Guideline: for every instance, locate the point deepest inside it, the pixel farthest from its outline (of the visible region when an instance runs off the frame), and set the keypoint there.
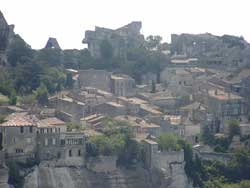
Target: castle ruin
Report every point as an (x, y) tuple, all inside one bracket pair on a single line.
[(120, 39)]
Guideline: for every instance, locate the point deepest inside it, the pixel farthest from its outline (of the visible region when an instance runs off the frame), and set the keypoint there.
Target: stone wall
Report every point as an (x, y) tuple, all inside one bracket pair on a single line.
[(102, 164), (120, 39), (18, 144), (222, 157), (99, 79)]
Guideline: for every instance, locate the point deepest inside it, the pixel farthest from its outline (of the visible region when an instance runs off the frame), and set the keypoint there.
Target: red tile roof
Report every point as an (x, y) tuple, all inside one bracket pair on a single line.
[(53, 121), (20, 119)]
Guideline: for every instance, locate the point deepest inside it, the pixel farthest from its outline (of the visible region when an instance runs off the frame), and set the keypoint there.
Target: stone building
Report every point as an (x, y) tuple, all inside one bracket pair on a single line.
[(122, 85), (120, 39), (177, 79), (99, 79), (48, 138), (68, 108), (224, 106), (72, 147), (170, 163), (19, 136), (111, 109), (140, 126)]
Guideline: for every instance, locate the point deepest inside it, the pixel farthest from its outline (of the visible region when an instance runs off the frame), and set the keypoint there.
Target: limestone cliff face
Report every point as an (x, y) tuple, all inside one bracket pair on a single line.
[(45, 176)]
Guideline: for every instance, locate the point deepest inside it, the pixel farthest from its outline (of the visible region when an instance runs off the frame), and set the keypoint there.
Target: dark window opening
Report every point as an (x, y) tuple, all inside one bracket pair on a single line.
[(21, 129), (79, 152), (70, 153), (31, 129)]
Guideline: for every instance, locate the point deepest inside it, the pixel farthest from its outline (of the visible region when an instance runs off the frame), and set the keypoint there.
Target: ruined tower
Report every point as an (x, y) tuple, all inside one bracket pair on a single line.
[(120, 39)]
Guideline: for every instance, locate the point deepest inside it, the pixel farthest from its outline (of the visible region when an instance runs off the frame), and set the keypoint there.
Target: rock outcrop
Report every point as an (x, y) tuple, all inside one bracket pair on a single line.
[(120, 39), (6, 33), (210, 49), (49, 175), (52, 44)]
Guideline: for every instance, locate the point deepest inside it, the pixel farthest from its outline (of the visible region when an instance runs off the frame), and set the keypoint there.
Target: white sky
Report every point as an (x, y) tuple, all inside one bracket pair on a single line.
[(67, 20)]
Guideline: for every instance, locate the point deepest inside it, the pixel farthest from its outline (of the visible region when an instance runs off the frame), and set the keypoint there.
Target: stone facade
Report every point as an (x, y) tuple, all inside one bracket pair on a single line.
[(122, 85), (224, 106), (19, 136), (120, 39), (99, 79)]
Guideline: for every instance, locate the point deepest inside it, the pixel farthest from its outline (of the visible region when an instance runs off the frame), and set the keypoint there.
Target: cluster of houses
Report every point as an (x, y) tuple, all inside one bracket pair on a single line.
[(186, 98)]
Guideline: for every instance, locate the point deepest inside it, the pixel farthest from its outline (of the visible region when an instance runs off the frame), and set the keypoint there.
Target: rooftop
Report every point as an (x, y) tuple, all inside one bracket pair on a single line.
[(173, 119), (151, 142), (114, 104), (151, 109), (136, 121), (53, 121), (222, 95), (194, 106), (20, 119)]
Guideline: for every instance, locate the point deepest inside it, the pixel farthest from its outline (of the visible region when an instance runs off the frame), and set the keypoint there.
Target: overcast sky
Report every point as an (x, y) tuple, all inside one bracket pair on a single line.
[(67, 20)]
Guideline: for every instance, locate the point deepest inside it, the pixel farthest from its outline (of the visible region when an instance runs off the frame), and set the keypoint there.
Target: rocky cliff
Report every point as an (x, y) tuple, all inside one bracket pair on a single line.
[(47, 175)]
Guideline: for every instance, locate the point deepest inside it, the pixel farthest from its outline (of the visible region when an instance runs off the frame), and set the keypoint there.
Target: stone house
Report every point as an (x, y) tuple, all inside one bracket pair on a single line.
[(99, 79), (141, 126), (122, 85), (67, 105), (132, 107), (48, 138), (19, 136), (223, 106), (110, 109), (73, 147), (195, 112)]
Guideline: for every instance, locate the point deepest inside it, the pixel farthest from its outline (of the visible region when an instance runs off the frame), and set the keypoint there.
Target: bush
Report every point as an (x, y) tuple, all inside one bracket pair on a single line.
[(168, 142)]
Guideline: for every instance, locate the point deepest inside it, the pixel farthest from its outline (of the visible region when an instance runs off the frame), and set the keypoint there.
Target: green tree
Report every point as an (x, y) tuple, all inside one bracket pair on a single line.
[(13, 98), (153, 89), (233, 128), (41, 94), (50, 57), (19, 51), (106, 50), (168, 141), (153, 42), (69, 81)]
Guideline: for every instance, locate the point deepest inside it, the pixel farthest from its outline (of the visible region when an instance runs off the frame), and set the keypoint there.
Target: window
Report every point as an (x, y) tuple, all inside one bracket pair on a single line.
[(19, 150), (21, 129), (31, 129), (70, 153), (46, 142), (14, 140), (79, 152), (53, 141), (62, 142)]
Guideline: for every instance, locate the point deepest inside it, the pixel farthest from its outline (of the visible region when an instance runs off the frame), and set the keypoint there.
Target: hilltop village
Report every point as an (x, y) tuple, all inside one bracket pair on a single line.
[(115, 113)]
